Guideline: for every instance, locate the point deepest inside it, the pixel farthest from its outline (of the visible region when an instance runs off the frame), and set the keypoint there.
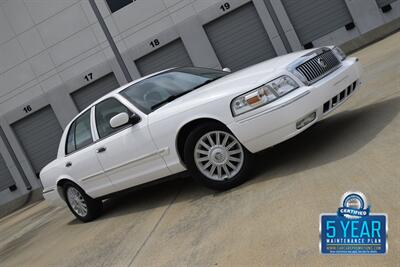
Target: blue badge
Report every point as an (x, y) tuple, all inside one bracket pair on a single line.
[(353, 229)]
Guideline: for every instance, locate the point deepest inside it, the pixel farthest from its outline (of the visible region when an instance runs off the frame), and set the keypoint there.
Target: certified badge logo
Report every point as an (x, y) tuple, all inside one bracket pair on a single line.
[(353, 229), (354, 205)]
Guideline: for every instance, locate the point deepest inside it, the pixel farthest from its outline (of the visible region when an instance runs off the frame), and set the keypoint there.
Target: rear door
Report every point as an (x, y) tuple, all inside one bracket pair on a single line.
[(80, 162)]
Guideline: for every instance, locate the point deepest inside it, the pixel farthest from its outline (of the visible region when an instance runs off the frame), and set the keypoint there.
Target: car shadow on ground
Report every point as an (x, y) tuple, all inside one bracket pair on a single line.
[(332, 139)]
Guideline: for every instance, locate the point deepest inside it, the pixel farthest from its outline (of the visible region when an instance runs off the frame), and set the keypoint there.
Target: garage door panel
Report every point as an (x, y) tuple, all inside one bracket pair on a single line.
[(313, 19), (239, 38), (6, 179), (39, 135), (170, 55), (86, 95)]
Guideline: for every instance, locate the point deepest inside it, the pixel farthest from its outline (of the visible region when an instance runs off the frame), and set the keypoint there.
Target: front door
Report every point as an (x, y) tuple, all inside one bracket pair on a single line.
[(127, 154)]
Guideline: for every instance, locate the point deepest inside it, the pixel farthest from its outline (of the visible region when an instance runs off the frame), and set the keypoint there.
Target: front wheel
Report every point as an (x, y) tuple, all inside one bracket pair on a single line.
[(215, 157), (81, 205)]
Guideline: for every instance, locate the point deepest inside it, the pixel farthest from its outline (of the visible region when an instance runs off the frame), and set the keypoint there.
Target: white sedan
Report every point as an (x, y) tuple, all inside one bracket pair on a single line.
[(209, 122)]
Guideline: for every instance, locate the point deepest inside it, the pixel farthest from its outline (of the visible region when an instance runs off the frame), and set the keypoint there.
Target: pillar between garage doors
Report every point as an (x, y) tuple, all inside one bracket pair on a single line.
[(20, 180), (270, 27), (286, 25), (197, 43)]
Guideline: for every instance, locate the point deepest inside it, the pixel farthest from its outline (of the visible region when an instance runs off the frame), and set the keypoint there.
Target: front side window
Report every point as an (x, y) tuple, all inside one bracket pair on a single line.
[(79, 134), (152, 93), (104, 112)]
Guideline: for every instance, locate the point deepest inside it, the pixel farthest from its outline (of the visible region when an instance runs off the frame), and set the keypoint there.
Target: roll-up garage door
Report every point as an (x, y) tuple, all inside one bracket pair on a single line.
[(86, 95), (239, 38), (39, 135), (382, 3), (313, 19), (171, 55), (6, 179)]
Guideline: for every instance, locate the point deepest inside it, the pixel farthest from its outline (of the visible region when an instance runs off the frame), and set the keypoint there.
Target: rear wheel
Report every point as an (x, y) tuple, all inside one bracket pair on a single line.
[(215, 157), (81, 205)]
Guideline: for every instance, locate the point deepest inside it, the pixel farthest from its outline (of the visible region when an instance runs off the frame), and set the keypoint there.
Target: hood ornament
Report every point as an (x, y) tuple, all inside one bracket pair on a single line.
[(322, 63)]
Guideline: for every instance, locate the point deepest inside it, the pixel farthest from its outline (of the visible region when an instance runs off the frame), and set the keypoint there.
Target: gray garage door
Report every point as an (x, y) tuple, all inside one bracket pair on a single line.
[(313, 19), (39, 135), (86, 95), (171, 55), (382, 3), (239, 38), (6, 179)]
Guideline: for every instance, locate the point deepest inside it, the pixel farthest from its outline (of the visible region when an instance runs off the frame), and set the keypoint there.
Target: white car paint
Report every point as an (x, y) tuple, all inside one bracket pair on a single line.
[(147, 150)]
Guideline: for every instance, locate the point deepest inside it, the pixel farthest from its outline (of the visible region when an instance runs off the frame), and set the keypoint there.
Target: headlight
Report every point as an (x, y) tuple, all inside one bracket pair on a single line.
[(263, 95), (339, 53)]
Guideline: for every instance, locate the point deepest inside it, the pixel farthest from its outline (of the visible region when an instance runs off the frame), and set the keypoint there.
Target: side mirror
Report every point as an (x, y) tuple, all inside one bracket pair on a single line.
[(119, 120), (227, 70), (134, 119)]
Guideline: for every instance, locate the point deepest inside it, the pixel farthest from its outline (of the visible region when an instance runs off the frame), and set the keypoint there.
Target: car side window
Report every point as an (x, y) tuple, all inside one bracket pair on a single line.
[(70, 146), (104, 112), (79, 134), (83, 133)]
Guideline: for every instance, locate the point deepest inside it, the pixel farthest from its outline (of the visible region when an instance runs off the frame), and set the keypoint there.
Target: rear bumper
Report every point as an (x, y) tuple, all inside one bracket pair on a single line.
[(276, 122)]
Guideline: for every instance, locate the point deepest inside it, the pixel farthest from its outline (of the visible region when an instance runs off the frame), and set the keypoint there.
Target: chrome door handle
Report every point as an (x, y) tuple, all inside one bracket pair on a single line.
[(68, 164), (101, 150)]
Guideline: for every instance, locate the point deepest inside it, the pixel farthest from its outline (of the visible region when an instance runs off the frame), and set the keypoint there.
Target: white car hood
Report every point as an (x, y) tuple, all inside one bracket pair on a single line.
[(231, 85)]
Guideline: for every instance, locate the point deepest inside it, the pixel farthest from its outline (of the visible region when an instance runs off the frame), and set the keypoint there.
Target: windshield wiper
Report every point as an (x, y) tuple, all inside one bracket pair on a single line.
[(173, 97), (168, 99), (206, 82)]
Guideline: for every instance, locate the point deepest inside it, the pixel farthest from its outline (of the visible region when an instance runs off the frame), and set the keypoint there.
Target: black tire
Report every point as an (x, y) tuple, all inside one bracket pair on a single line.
[(94, 206), (189, 156)]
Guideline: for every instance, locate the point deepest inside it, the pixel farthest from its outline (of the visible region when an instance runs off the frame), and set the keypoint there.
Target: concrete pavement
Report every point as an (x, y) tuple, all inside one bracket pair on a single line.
[(272, 220)]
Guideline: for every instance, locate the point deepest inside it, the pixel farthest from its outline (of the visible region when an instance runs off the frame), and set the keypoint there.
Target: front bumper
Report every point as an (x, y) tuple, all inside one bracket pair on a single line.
[(276, 122)]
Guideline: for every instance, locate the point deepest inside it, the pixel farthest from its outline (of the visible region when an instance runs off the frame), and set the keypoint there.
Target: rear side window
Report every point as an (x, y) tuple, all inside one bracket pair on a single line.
[(70, 146), (80, 134), (104, 112)]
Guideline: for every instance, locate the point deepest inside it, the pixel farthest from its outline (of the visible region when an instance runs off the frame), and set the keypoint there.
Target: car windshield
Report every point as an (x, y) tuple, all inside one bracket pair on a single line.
[(152, 93)]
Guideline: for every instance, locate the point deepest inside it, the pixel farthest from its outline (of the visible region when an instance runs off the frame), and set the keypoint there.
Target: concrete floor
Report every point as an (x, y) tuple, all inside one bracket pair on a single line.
[(271, 220)]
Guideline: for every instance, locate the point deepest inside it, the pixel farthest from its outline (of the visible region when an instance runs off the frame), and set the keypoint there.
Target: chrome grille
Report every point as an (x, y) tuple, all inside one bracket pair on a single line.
[(318, 66)]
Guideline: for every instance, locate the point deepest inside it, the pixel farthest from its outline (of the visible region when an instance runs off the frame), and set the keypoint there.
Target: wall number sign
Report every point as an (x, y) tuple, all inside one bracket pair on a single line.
[(88, 77), (27, 109), (224, 7), (155, 43)]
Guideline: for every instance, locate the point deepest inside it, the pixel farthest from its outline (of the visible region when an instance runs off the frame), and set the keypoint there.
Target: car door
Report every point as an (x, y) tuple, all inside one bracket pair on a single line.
[(81, 163), (128, 155)]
